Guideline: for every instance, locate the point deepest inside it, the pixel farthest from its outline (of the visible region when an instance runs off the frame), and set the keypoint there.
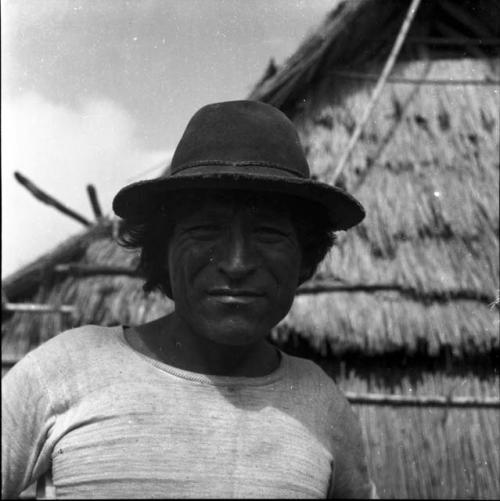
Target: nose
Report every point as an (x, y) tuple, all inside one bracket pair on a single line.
[(237, 254)]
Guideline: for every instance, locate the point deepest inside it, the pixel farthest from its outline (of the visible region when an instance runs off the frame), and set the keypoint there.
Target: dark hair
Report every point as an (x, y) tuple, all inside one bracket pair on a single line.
[(315, 232)]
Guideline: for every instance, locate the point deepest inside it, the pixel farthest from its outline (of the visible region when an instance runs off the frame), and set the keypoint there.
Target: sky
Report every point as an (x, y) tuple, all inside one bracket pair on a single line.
[(99, 92)]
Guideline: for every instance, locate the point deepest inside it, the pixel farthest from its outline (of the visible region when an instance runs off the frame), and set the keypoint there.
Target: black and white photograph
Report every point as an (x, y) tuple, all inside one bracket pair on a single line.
[(250, 249)]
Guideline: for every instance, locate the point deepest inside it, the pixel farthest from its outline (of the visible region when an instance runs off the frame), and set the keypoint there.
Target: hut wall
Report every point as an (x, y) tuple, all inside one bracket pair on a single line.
[(99, 299), (426, 168), (432, 453), (423, 452)]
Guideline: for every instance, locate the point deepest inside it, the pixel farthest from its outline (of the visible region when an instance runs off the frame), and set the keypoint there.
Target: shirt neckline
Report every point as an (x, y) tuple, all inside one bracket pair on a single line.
[(207, 379)]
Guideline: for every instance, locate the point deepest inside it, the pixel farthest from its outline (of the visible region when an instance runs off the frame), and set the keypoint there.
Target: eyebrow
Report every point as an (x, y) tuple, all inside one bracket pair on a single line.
[(273, 210)]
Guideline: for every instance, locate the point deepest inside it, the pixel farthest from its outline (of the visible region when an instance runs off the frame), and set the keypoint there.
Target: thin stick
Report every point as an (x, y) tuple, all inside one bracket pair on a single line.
[(355, 75), (325, 286), (456, 40), (89, 270), (378, 88), (94, 201), (314, 287), (38, 308), (422, 401), (49, 200)]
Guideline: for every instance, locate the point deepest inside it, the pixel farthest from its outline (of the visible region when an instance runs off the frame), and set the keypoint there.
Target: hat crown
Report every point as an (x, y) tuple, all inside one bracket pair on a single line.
[(238, 145), (240, 133)]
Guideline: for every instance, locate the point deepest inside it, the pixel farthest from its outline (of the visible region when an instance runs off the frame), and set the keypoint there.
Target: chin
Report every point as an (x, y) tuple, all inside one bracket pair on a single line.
[(235, 336)]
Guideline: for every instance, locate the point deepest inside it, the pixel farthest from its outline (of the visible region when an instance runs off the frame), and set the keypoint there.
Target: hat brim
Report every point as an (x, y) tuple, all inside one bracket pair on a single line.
[(139, 201)]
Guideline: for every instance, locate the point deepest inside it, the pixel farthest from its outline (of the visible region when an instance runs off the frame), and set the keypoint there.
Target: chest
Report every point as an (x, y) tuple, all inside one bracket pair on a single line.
[(180, 446)]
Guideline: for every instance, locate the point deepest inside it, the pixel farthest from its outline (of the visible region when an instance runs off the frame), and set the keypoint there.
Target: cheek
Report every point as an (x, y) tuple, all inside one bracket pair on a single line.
[(185, 263), (285, 268)]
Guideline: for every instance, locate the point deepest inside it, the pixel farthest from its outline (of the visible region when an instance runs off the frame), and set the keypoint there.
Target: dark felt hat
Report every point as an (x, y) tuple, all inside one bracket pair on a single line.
[(241, 145)]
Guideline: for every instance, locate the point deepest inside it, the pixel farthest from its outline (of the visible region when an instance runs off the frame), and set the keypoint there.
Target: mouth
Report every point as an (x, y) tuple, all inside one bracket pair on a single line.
[(237, 296)]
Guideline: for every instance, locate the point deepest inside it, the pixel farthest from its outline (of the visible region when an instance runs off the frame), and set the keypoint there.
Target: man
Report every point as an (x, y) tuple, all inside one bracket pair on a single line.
[(199, 403)]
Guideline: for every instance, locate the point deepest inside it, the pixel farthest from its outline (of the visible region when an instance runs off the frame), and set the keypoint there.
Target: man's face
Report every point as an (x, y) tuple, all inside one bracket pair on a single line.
[(234, 265)]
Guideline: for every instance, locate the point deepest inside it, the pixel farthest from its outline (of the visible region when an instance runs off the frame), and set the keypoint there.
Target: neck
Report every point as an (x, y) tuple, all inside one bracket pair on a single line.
[(174, 343)]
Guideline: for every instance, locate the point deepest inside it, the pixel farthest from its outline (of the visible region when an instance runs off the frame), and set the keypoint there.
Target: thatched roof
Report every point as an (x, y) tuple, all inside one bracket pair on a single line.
[(99, 298), (360, 33), (426, 167), (419, 274)]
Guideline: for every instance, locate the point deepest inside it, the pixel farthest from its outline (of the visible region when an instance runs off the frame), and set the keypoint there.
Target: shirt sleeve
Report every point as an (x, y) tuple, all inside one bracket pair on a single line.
[(25, 424), (350, 477)]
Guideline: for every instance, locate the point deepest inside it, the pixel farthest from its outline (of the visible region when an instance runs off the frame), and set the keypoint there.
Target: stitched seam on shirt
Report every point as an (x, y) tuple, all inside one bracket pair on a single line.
[(201, 382), (179, 375)]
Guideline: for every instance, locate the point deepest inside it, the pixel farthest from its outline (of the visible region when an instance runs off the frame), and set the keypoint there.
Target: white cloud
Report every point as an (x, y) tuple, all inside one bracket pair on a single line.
[(62, 150)]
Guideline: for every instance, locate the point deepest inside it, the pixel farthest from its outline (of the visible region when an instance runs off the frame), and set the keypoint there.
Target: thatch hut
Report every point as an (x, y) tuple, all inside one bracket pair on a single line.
[(401, 308), (415, 282)]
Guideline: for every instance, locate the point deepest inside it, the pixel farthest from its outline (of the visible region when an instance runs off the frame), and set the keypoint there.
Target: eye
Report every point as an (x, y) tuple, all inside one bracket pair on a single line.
[(270, 233), (203, 231)]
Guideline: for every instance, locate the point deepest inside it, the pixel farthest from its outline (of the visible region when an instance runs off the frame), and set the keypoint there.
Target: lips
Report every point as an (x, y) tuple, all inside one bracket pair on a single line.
[(233, 295)]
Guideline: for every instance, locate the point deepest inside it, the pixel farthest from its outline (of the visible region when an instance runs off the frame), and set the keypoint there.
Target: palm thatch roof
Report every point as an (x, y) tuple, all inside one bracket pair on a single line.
[(426, 167), (99, 296), (360, 33)]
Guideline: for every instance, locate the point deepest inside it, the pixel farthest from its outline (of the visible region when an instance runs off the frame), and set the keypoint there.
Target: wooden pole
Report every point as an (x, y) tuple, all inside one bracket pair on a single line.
[(325, 286), (94, 201), (422, 401), (80, 270), (38, 308), (449, 40), (355, 75), (378, 88), (49, 200), (313, 287)]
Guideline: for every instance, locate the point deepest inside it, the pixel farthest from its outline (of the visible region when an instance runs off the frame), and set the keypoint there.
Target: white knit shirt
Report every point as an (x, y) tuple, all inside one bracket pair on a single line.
[(113, 423)]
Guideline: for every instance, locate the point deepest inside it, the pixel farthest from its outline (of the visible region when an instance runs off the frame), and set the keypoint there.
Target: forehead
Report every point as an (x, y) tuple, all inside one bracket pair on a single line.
[(226, 202)]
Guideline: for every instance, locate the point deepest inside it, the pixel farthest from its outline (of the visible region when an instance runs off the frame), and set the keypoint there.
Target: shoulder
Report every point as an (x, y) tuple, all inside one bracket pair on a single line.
[(333, 418), (309, 373), (86, 337), (317, 384), (69, 349), (69, 365)]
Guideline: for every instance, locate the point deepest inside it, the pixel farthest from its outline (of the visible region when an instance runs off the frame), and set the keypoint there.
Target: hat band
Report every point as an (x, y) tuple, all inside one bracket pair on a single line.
[(253, 167)]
